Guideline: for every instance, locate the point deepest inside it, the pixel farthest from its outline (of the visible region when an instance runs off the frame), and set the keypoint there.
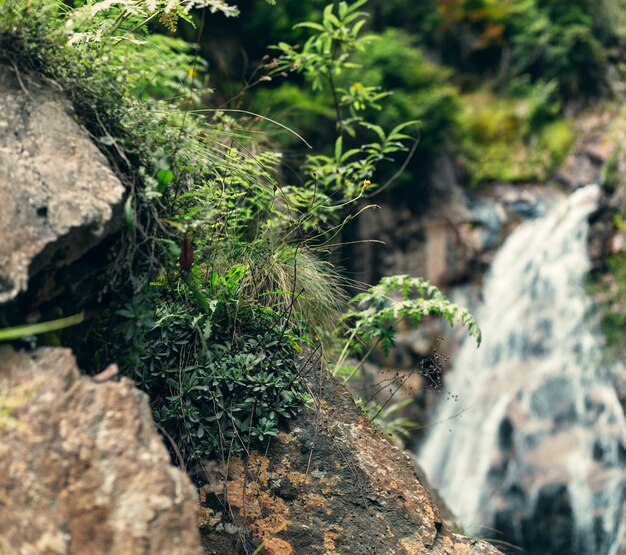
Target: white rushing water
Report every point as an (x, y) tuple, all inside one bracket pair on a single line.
[(532, 408)]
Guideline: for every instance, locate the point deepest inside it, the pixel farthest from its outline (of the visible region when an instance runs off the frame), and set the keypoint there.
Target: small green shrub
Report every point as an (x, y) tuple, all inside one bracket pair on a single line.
[(396, 428), (556, 139), (215, 387), (329, 63)]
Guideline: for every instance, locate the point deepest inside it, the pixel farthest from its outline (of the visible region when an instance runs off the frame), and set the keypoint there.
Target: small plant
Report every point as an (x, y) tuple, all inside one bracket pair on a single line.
[(529, 120), (373, 320), (327, 61), (611, 290), (396, 428)]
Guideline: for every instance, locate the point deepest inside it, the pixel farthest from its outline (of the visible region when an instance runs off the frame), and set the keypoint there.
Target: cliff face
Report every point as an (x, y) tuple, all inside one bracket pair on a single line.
[(83, 469)]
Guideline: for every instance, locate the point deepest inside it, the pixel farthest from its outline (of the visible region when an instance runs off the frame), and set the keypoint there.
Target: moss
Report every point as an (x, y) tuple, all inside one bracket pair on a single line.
[(556, 139), (511, 139), (610, 173)]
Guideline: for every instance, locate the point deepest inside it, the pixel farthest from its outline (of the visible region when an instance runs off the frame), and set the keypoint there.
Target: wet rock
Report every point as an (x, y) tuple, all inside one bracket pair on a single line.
[(584, 165), (582, 171), (488, 217), (58, 194), (331, 484), (82, 467)]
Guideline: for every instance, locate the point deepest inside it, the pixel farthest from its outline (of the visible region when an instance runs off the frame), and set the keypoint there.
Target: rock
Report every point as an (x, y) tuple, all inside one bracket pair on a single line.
[(58, 194), (598, 134), (580, 172), (438, 239), (331, 484), (82, 468)]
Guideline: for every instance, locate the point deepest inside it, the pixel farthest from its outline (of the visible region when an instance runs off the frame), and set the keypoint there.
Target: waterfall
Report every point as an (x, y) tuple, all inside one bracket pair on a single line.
[(531, 438)]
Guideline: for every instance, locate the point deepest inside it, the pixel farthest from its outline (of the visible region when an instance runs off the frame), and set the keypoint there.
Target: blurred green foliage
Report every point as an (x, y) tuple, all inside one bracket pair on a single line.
[(513, 138), (542, 39), (613, 310), (421, 89), (445, 61)]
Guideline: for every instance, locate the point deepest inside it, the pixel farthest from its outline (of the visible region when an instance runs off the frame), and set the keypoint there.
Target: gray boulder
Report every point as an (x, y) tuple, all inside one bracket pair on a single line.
[(58, 194)]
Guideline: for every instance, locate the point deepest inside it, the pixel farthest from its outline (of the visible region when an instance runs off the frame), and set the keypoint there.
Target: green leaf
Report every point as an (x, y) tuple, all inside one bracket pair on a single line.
[(356, 5), (332, 19), (338, 148), (394, 132), (309, 25), (164, 178), (130, 218), (376, 128), (328, 10), (190, 214), (17, 332)]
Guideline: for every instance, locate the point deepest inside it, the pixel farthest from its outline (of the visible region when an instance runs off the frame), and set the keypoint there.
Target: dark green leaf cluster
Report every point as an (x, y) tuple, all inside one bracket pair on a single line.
[(216, 389)]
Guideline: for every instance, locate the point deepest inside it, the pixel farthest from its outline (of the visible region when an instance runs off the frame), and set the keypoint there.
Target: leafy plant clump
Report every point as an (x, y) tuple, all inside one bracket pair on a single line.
[(614, 319), (541, 40), (609, 287), (372, 320), (216, 389), (535, 61), (514, 138)]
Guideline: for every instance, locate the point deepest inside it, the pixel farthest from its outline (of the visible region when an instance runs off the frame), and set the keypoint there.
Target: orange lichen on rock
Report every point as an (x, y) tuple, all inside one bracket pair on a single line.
[(276, 546), (329, 542), (265, 530)]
